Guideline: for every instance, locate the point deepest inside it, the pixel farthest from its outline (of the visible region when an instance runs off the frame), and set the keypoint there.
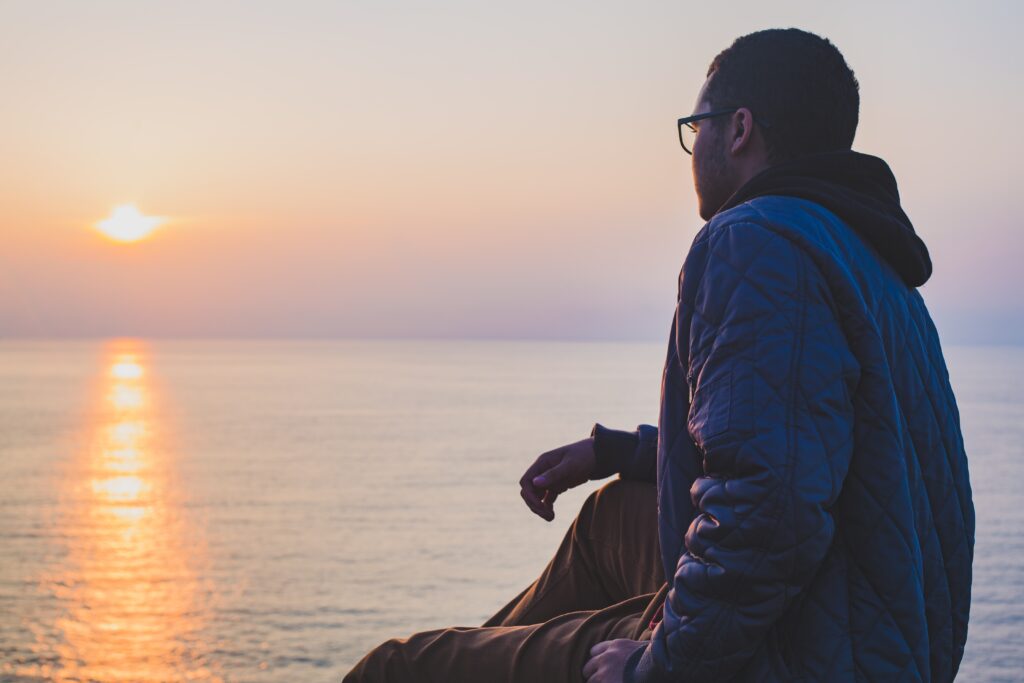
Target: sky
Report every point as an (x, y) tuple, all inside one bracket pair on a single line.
[(452, 169)]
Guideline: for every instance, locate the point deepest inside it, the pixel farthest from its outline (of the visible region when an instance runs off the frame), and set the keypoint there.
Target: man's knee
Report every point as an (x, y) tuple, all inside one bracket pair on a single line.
[(608, 503), (623, 493), (386, 662)]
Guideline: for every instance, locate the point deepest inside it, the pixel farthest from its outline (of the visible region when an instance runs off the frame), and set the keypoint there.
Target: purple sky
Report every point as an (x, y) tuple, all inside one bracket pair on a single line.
[(451, 169)]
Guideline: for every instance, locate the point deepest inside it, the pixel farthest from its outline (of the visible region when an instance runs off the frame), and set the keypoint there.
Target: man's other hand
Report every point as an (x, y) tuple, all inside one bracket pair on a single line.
[(555, 472), (608, 660)]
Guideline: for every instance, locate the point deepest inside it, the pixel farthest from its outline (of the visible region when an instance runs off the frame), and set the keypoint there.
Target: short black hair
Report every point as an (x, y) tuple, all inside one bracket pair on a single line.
[(795, 82)]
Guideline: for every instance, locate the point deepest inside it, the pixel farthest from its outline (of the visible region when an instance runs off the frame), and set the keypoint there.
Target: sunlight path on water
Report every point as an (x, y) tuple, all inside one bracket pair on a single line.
[(130, 595)]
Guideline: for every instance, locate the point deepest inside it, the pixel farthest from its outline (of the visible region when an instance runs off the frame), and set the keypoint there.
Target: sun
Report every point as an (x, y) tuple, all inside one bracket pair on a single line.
[(127, 224)]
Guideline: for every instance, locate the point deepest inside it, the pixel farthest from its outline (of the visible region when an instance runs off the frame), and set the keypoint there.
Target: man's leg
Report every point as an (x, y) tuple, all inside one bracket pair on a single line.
[(599, 586), (609, 554), (554, 651)]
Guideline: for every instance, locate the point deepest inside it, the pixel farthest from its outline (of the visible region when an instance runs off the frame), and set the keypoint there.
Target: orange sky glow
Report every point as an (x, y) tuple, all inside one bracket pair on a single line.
[(390, 169)]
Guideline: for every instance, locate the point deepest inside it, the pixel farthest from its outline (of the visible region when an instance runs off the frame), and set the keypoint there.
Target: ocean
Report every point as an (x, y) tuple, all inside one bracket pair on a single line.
[(231, 510)]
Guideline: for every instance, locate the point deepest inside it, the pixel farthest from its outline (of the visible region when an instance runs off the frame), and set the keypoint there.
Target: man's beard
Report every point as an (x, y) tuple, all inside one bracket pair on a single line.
[(714, 183)]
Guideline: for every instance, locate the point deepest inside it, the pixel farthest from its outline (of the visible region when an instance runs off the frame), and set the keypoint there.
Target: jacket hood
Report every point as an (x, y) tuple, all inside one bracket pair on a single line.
[(858, 188)]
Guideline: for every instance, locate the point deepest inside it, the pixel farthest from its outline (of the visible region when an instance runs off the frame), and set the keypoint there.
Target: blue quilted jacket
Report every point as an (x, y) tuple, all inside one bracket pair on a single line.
[(815, 512)]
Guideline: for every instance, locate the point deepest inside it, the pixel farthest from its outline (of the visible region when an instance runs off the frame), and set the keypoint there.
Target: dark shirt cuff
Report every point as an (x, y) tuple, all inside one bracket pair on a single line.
[(613, 449), (641, 668)]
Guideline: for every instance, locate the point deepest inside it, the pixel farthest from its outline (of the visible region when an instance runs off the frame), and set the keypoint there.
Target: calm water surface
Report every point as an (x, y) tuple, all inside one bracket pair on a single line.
[(257, 511)]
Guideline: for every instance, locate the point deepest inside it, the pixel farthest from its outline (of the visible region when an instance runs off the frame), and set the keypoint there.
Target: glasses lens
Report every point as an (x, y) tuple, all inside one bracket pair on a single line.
[(687, 134)]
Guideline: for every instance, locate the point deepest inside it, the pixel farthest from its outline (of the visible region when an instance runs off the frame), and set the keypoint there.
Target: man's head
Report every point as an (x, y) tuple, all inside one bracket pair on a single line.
[(793, 96)]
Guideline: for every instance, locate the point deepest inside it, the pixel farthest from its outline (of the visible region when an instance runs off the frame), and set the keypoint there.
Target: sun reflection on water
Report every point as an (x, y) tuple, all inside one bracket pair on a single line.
[(126, 368), (129, 584)]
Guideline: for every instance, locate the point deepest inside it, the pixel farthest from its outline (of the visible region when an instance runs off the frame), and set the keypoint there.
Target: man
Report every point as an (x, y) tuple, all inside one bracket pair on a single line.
[(814, 512)]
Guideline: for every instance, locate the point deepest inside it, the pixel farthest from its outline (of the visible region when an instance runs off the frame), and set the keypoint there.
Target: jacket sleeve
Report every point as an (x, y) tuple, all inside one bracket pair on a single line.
[(771, 377), (633, 455)]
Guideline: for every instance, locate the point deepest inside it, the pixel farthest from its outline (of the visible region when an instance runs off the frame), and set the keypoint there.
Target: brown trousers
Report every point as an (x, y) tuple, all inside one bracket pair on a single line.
[(604, 582)]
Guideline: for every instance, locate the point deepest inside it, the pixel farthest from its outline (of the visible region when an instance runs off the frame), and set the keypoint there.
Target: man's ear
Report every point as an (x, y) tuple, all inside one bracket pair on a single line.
[(742, 129)]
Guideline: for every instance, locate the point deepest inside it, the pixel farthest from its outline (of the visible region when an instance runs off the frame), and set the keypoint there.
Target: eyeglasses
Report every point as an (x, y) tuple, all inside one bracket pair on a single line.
[(687, 133)]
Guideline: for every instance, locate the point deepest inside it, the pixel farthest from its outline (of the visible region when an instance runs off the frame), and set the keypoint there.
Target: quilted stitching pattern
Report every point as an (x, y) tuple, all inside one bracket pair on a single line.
[(815, 507)]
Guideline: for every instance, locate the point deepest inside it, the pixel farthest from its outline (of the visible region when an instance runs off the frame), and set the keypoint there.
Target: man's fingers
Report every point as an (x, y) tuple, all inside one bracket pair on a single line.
[(531, 472), (549, 500), (532, 492), (537, 505), (554, 478), (544, 461), (541, 464), (590, 668), (532, 495), (594, 664)]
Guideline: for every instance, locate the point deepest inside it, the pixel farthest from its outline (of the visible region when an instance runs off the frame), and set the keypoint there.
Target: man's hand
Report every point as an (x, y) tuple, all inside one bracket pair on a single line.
[(608, 660), (555, 472)]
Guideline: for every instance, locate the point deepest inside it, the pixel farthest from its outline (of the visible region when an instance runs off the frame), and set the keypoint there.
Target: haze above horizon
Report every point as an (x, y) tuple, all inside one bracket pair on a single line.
[(452, 170)]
